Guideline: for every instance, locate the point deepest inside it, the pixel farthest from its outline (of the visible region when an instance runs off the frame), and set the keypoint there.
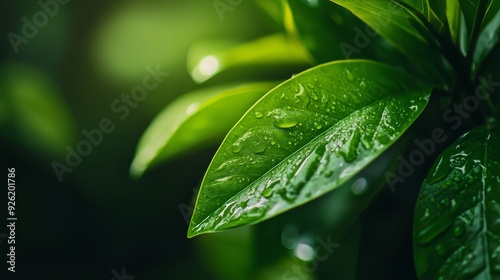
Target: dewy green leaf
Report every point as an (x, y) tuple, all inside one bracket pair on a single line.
[(195, 120), (390, 20), (456, 224), (305, 138), (207, 59)]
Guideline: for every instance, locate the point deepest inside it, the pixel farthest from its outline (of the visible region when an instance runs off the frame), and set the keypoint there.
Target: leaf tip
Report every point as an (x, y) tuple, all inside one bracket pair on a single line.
[(136, 169)]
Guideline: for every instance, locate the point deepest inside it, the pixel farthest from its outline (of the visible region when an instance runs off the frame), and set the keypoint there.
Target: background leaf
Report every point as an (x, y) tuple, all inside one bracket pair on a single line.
[(391, 21), (194, 121), (304, 138), (32, 113), (454, 17), (272, 53), (469, 8), (488, 39), (456, 224), (491, 12), (322, 27), (434, 11)]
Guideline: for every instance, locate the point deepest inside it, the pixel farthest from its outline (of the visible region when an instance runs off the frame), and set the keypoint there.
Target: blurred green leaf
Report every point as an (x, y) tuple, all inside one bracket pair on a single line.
[(32, 113), (491, 12), (454, 16), (489, 74), (437, 15), (323, 27), (195, 120), (488, 39), (469, 8), (392, 21), (456, 229), (331, 119), (274, 8), (207, 59), (228, 255), (474, 12), (433, 11)]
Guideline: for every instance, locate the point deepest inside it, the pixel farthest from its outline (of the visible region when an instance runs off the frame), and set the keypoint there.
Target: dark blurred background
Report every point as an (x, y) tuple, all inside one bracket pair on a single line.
[(100, 224)]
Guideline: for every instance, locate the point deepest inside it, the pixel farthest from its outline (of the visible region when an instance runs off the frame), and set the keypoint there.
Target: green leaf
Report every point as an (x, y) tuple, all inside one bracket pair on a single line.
[(334, 215), (439, 9), (323, 27), (274, 8), (195, 120), (454, 15), (210, 58), (488, 39), (391, 21), (305, 138), (491, 12), (456, 224), (32, 113), (474, 12), (433, 11), (469, 8)]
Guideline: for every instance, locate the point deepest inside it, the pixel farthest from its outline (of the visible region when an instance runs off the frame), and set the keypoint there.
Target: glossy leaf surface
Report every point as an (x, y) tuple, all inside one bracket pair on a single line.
[(305, 138), (457, 217), (195, 120)]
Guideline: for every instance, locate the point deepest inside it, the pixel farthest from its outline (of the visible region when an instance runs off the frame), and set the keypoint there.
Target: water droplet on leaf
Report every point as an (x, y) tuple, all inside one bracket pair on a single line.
[(349, 76), (286, 122), (359, 186), (258, 147), (440, 249), (349, 150), (458, 230), (237, 147)]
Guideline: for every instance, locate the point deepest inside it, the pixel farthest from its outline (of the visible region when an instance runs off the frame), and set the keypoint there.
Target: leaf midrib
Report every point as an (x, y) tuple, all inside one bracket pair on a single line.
[(483, 207)]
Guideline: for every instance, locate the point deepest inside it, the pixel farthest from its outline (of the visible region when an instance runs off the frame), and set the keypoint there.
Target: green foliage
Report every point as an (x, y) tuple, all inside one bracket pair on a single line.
[(38, 117), (211, 58), (304, 138), (318, 132), (456, 219), (197, 119)]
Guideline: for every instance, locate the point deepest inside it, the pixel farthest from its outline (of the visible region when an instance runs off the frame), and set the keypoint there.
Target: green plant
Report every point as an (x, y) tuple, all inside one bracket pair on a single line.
[(318, 130)]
